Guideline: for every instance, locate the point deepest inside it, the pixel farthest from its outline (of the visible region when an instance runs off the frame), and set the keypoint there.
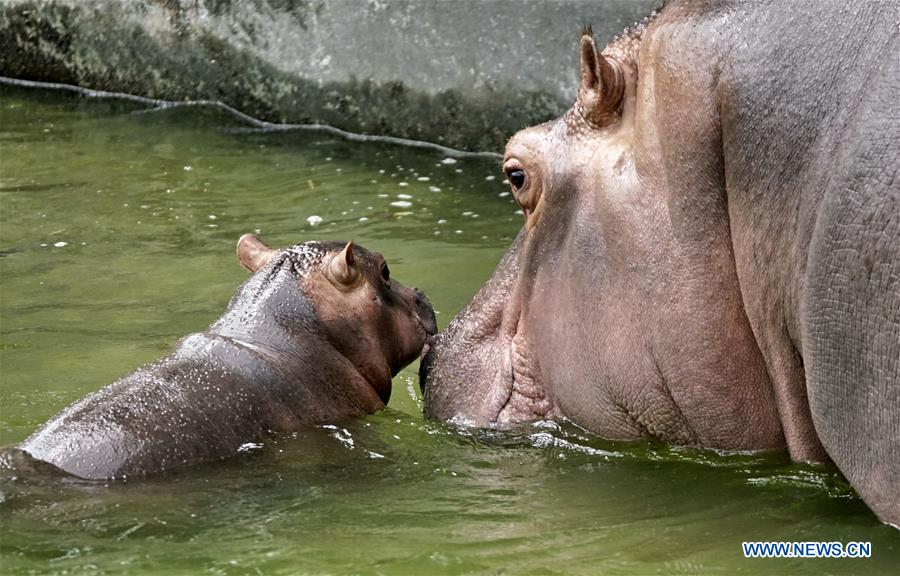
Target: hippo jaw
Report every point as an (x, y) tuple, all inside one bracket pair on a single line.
[(508, 390), (480, 371)]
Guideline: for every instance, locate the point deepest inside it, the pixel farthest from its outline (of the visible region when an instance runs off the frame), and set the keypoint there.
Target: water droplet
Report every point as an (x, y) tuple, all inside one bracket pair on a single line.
[(449, 161), (315, 220)]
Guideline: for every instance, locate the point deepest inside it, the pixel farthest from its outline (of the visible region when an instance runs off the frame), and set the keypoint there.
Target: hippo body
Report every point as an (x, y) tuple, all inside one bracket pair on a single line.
[(711, 248), (276, 360)]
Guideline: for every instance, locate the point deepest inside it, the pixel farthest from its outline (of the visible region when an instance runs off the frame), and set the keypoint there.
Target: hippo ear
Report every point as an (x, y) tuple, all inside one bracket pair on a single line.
[(343, 266), (602, 83), (253, 253)]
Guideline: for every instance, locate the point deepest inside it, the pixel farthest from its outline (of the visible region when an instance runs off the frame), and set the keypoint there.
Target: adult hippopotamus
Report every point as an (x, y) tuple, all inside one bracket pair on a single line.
[(711, 247), (314, 335)]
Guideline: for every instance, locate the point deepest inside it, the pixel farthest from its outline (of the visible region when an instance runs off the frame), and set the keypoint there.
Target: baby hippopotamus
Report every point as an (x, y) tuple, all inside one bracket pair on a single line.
[(315, 335)]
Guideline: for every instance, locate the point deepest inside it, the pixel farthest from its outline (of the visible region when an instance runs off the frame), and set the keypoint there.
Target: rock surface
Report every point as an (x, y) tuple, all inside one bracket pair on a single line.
[(465, 73)]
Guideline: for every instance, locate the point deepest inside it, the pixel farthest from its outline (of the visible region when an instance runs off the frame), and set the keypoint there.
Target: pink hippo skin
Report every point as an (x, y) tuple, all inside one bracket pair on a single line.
[(711, 247), (314, 336)]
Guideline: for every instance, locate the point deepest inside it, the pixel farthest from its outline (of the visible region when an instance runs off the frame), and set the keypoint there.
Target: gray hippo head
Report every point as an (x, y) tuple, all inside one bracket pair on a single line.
[(373, 320), (617, 306)]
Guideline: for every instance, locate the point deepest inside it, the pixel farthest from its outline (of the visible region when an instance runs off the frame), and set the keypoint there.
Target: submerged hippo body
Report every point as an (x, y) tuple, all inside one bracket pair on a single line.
[(711, 248), (314, 335)]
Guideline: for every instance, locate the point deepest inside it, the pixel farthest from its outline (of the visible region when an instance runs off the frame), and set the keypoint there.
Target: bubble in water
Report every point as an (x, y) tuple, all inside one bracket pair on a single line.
[(60, 244), (434, 189), (448, 161), (423, 178), (404, 196), (315, 220), (401, 204)]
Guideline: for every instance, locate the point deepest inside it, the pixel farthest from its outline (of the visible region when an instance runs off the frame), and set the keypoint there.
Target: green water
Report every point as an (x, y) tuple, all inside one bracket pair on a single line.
[(149, 206)]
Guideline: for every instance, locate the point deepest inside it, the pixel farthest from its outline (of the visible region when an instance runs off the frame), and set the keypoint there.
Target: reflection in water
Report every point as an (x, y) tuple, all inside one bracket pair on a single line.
[(117, 238)]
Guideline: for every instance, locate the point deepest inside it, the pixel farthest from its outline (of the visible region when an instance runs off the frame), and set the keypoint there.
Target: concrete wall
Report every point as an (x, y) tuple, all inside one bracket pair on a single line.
[(464, 73)]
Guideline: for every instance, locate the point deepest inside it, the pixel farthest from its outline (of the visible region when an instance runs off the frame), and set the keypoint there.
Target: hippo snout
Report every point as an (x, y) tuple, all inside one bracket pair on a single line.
[(425, 313)]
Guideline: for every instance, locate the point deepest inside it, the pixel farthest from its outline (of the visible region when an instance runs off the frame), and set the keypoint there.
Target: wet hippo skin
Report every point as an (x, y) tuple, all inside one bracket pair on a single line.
[(315, 335), (711, 247)]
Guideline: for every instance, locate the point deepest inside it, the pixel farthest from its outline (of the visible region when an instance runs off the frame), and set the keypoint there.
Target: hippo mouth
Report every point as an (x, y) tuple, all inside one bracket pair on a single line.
[(509, 391), (526, 398), (481, 370), (429, 330)]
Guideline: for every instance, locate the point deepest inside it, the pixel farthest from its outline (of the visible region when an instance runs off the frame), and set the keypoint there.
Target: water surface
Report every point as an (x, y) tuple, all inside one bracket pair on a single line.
[(117, 233)]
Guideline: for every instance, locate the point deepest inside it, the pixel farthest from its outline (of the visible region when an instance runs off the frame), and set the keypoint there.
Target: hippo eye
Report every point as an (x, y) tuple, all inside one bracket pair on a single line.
[(385, 273), (516, 178)]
